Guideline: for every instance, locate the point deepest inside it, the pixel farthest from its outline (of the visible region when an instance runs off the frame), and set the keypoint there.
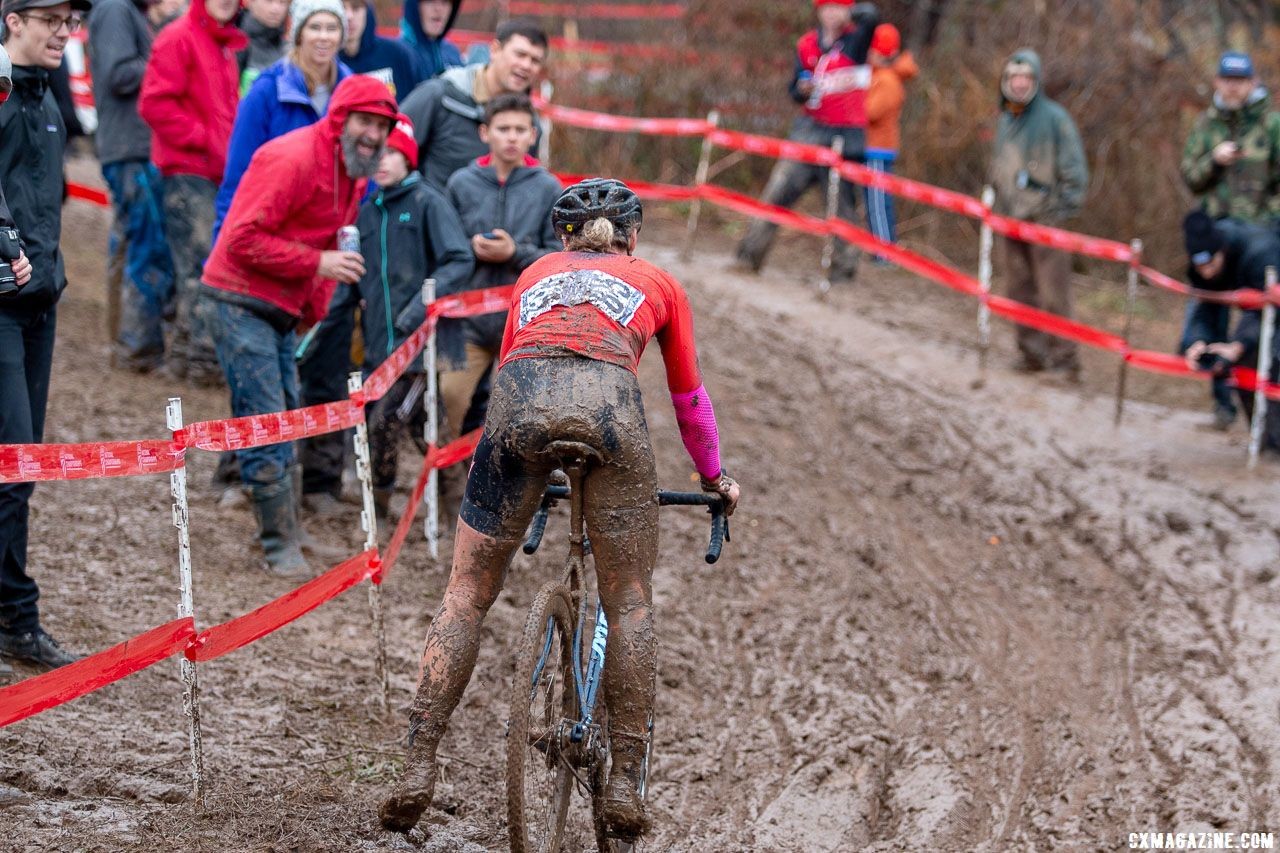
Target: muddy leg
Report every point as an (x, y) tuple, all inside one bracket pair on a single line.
[(622, 521), (479, 564)]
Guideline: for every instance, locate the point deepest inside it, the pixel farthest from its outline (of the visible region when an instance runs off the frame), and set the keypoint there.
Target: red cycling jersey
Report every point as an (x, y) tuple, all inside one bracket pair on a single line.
[(604, 307)]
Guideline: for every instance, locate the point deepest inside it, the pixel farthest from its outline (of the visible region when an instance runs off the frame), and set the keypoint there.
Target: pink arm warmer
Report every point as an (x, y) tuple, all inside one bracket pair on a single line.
[(698, 430)]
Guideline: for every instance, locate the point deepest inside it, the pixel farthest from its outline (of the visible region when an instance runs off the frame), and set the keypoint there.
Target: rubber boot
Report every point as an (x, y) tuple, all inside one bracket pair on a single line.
[(327, 554), (401, 811), (276, 509), (624, 814)]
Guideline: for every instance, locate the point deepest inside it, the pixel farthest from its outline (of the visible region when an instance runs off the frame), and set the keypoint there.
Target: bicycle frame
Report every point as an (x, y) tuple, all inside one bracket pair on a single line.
[(586, 682)]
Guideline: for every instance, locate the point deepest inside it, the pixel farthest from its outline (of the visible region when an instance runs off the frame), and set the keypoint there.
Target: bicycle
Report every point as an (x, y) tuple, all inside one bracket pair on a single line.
[(557, 737)]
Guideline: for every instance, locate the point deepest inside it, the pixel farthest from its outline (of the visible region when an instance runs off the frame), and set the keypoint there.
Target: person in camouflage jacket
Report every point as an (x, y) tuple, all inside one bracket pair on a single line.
[(1232, 158)]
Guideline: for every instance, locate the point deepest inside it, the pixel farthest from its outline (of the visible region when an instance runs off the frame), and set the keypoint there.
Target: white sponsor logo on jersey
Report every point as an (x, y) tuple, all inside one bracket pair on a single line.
[(614, 298)]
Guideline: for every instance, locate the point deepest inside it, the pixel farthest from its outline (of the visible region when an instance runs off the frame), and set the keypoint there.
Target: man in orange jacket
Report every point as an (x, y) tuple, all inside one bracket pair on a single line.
[(891, 68)]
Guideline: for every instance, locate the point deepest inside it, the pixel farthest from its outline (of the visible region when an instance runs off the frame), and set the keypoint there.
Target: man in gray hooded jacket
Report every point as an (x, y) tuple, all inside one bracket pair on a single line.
[(1039, 174), (447, 111)]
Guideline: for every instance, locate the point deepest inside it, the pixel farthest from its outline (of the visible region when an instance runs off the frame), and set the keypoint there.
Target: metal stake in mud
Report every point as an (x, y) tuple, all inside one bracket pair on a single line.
[(700, 178), (369, 523), (186, 606), (833, 201), (431, 527), (1260, 402), (986, 241), (1130, 306)]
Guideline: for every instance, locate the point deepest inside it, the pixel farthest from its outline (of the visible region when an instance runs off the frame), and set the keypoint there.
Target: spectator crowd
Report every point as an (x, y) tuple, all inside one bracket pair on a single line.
[(238, 140)]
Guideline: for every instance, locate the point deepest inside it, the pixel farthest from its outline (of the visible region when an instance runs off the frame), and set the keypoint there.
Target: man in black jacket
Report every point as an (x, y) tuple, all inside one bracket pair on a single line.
[(139, 269), (1229, 255), (504, 200), (32, 141)]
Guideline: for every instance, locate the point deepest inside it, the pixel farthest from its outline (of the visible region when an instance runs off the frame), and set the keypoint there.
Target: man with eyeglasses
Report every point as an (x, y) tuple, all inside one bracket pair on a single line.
[(32, 140)]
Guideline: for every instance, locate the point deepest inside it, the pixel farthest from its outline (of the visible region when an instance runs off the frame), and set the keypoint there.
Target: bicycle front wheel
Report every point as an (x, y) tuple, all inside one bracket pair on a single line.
[(543, 705)]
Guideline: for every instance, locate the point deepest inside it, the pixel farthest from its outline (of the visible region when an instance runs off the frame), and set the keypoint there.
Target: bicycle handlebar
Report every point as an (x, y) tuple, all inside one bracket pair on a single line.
[(713, 502)]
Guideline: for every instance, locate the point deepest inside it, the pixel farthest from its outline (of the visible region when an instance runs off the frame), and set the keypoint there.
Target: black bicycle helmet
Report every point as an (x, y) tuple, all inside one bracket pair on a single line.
[(595, 198)]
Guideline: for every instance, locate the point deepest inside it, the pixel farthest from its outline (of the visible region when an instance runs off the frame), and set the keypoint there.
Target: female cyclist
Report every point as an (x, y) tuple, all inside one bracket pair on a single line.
[(578, 324)]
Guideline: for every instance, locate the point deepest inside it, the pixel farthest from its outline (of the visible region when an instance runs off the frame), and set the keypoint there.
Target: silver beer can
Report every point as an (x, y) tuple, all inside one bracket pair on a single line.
[(349, 239)]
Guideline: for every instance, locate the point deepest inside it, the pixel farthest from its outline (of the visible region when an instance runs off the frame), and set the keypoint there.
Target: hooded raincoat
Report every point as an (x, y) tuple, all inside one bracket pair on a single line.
[(295, 196), (435, 55), (1038, 166), (189, 94)]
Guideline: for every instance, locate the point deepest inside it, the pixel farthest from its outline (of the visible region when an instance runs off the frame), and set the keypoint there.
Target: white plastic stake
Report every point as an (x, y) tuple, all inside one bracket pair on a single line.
[(986, 242), (1264, 371), (700, 178), (369, 523), (544, 140), (1130, 307), (431, 527), (833, 205), (186, 609)]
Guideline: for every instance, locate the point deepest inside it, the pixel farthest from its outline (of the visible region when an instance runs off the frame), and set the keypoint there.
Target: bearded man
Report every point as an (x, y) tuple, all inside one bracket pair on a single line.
[(275, 265)]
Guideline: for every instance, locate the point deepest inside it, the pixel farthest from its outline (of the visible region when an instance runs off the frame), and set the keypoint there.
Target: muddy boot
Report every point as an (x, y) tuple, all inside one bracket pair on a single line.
[(624, 814), (327, 554), (277, 511), (400, 811)]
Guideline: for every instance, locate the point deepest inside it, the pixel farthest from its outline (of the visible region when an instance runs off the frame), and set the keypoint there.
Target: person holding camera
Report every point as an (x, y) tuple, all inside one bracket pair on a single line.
[(1232, 158), (1227, 255), (32, 141)]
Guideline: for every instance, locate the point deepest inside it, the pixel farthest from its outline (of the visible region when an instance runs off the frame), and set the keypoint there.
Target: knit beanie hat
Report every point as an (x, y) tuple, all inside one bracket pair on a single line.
[(1202, 237), (401, 139), (886, 40), (301, 10), (817, 3)]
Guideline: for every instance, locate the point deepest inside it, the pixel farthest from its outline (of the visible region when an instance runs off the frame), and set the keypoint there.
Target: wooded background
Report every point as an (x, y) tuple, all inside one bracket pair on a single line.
[(1133, 74)]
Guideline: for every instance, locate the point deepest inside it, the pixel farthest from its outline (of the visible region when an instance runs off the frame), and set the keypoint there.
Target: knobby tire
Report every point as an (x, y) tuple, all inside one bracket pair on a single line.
[(539, 782)]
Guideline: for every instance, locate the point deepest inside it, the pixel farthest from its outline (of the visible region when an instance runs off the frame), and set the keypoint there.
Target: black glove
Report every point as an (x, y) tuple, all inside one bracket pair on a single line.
[(10, 251)]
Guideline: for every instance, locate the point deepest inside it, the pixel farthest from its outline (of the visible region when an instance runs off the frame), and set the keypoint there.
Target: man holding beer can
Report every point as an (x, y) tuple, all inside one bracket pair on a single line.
[(274, 266)]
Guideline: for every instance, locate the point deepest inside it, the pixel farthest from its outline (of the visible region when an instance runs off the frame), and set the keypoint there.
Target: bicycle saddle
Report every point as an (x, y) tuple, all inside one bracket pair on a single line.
[(573, 453)]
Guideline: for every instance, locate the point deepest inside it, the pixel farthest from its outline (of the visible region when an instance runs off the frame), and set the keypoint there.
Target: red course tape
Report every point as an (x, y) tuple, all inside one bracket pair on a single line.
[(42, 692), (437, 458), (239, 632), (275, 427), (30, 463)]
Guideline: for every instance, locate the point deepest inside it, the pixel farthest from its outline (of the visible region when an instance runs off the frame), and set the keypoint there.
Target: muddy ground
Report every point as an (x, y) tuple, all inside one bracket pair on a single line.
[(951, 618)]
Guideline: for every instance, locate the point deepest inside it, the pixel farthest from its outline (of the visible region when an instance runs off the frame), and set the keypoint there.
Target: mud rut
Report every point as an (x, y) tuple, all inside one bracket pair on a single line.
[(949, 619)]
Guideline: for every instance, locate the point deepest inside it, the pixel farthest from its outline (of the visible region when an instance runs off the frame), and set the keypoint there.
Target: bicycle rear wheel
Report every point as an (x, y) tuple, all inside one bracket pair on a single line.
[(539, 780)]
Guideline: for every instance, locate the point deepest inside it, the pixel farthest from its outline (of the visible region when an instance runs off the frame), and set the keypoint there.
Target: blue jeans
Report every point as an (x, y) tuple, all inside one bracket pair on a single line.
[(138, 234), (882, 220), (26, 356), (257, 360), (1212, 322)]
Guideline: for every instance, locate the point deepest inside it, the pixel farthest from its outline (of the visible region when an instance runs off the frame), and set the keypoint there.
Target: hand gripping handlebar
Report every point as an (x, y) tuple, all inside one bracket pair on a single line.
[(714, 504)]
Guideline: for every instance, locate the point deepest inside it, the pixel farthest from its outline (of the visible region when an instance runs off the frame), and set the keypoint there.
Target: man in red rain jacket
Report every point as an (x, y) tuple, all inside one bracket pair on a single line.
[(189, 97), (274, 265)]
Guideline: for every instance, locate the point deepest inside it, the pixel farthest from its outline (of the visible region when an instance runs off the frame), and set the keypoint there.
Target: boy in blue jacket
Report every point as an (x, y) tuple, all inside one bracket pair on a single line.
[(504, 200), (408, 232)]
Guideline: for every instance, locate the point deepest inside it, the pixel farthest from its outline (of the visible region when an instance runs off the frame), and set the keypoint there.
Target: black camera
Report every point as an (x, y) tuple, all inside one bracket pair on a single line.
[(10, 251), (1214, 363)]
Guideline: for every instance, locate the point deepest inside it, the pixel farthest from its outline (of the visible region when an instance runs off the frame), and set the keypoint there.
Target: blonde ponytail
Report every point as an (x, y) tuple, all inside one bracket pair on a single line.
[(598, 235)]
